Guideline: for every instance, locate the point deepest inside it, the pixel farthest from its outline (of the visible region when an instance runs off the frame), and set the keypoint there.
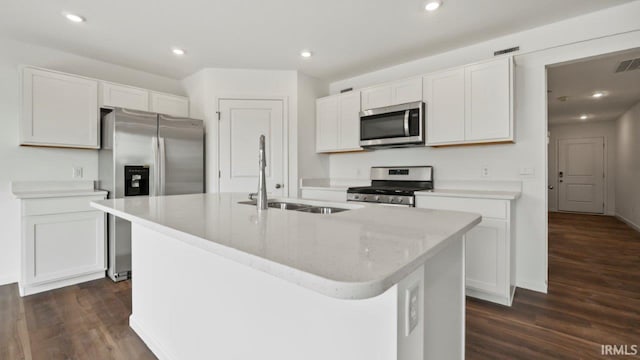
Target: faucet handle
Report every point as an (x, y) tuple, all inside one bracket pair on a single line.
[(253, 196)]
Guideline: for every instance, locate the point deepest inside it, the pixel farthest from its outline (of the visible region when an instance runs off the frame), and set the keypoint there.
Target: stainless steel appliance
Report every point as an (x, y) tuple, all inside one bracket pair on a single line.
[(146, 154), (394, 185), (393, 126)]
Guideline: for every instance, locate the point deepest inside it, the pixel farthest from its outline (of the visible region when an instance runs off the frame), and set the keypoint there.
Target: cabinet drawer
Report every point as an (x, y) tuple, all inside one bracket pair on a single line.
[(46, 206), (486, 207)]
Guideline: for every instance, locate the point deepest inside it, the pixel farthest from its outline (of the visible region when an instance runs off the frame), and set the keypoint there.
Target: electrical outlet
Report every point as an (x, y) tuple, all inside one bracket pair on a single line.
[(77, 172), (484, 171), (412, 308)]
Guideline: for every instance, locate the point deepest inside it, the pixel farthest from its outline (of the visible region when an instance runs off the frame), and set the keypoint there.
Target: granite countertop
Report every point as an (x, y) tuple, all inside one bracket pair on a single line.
[(354, 254)]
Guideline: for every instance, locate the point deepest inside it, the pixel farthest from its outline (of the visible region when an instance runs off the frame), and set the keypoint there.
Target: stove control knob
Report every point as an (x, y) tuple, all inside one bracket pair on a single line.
[(400, 200), (364, 198), (357, 197), (377, 198), (392, 199)]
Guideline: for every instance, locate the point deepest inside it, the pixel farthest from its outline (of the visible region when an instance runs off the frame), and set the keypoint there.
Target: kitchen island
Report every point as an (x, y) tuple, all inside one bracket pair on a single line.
[(217, 279)]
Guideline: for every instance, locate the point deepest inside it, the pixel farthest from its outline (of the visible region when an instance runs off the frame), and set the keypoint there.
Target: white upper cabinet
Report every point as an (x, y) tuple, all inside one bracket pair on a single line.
[(327, 124), (376, 97), (338, 123), (444, 98), (405, 91), (129, 97), (59, 110), (471, 104), (349, 121), (169, 104), (394, 93), (488, 94)]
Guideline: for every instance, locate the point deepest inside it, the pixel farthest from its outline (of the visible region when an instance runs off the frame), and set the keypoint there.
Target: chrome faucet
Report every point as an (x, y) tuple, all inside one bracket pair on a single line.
[(261, 202)]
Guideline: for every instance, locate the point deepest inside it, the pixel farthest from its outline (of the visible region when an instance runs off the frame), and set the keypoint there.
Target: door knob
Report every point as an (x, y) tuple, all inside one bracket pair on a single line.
[(550, 187), (278, 186)]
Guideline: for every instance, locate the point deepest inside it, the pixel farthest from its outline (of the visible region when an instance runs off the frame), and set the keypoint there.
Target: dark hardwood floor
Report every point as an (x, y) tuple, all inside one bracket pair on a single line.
[(594, 298)]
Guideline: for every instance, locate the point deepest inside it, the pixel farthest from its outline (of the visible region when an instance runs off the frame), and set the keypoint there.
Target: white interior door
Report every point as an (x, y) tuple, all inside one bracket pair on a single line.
[(581, 175), (241, 124)]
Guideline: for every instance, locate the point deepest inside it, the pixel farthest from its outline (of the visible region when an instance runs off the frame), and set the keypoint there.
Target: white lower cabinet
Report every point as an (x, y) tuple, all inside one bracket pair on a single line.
[(63, 243), (489, 247), (326, 195)]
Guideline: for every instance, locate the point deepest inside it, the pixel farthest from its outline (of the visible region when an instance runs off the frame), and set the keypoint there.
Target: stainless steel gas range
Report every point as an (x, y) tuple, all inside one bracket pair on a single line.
[(394, 185)]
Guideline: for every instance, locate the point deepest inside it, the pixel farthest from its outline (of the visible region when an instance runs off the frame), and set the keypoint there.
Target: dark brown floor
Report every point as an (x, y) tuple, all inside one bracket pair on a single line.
[(594, 298)]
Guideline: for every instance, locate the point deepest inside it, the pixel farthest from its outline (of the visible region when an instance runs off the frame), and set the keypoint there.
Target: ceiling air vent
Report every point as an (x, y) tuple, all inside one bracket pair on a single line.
[(628, 65)]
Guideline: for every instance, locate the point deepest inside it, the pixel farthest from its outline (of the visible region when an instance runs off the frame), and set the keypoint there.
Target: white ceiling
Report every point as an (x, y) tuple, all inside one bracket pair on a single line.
[(348, 37), (579, 80)]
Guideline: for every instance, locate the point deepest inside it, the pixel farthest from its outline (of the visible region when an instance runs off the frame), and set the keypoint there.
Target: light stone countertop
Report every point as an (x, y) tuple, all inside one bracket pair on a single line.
[(54, 189), (477, 194), (356, 254)]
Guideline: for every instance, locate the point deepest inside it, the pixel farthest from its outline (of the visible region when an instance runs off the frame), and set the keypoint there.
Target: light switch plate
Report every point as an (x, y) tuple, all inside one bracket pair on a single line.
[(412, 308)]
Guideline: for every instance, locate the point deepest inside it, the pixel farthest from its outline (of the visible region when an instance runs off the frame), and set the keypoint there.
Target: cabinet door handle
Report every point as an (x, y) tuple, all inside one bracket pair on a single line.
[(278, 186)]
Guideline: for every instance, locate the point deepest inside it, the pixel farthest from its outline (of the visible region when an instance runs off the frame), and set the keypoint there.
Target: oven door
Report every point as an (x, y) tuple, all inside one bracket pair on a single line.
[(399, 125)]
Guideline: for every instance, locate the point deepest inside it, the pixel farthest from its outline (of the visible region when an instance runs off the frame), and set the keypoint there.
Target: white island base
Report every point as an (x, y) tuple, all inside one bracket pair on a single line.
[(189, 303)]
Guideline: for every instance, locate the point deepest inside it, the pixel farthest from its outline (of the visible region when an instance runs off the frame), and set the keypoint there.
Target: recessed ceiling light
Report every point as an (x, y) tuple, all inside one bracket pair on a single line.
[(178, 51), (306, 53), (583, 117), (598, 94), (74, 18), (433, 5)]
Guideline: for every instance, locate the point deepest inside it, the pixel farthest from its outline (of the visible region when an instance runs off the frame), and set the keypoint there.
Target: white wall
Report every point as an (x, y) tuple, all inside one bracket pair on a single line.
[(613, 29), (628, 167), (310, 164), (299, 91), (605, 129), (30, 163)]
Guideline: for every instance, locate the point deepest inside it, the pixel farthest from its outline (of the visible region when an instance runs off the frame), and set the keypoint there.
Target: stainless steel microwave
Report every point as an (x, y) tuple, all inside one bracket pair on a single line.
[(393, 126)]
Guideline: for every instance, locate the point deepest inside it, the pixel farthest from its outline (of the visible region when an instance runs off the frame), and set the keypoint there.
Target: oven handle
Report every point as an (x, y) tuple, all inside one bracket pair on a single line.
[(406, 123)]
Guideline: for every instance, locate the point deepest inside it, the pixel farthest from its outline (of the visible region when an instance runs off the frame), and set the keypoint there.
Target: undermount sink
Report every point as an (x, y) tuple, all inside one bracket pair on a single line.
[(287, 205), (297, 207)]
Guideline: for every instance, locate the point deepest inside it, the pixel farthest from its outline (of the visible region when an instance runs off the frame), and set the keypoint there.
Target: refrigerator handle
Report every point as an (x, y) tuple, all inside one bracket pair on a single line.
[(156, 178), (162, 163)]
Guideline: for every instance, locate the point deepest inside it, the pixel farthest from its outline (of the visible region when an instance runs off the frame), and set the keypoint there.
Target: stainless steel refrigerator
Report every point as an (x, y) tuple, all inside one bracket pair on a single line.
[(146, 154)]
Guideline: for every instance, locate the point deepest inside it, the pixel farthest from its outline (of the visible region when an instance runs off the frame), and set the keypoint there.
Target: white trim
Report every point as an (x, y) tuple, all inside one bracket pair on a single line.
[(633, 225), (285, 132), (26, 290)]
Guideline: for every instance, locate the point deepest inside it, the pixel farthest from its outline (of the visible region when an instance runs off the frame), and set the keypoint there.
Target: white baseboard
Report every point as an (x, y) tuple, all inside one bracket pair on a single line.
[(635, 226), (151, 344), (532, 285), (10, 279), (26, 290)]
